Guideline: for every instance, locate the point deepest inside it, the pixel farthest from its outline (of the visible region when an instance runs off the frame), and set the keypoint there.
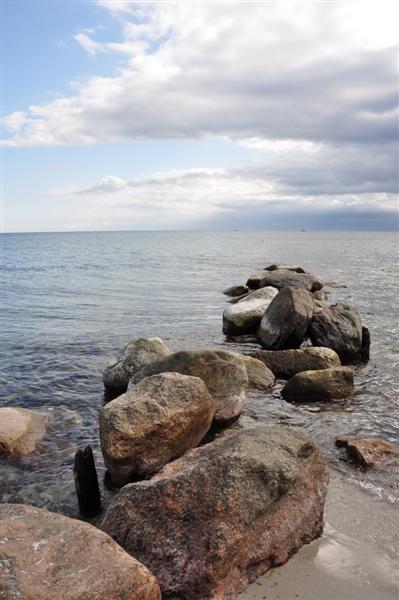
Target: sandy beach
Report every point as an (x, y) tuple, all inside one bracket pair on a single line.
[(357, 557)]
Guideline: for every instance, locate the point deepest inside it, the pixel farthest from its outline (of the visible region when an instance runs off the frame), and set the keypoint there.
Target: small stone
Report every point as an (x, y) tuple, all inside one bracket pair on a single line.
[(368, 452)]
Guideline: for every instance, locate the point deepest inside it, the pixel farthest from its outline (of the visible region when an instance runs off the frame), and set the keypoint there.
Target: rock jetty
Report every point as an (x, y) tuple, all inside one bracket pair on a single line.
[(209, 498)]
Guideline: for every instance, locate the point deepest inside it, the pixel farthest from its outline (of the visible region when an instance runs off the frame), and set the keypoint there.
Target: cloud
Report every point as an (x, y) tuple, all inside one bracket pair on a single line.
[(306, 185), (240, 70)]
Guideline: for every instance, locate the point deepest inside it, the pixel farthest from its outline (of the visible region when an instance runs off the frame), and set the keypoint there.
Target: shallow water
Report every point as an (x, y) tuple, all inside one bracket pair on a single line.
[(72, 300)]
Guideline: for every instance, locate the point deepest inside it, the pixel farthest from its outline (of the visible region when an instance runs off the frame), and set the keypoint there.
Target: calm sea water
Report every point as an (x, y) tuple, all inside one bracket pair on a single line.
[(71, 301)]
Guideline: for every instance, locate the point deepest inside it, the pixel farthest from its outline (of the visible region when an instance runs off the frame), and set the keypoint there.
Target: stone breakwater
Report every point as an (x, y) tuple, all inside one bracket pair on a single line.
[(206, 499)]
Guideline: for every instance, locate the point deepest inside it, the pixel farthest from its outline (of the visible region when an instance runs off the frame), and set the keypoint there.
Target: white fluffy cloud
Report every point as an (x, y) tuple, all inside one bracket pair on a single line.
[(323, 72), (311, 85)]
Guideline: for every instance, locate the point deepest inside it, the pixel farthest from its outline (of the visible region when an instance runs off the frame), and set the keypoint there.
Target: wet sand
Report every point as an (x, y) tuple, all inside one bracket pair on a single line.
[(357, 557)]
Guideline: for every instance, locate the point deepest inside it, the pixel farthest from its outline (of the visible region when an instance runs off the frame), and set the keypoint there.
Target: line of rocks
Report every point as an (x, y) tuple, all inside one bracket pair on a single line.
[(208, 500)]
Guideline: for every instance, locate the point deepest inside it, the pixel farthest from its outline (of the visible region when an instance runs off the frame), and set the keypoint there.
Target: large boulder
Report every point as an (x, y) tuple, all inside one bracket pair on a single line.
[(286, 320), (134, 356), (45, 555), (369, 452), (259, 375), (280, 279), (287, 363), (154, 422), (21, 430), (236, 290), (224, 513), (224, 374), (325, 384), (244, 316), (339, 327)]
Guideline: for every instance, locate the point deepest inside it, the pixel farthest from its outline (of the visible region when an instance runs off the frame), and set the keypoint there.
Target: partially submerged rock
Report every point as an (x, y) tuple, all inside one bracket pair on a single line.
[(224, 374), (369, 452), (224, 513), (287, 363), (154, 422), (325, 384), (45, 555), (21, 430), (365, 347), (243, 317), (259, 375), (278, 267), (280, 279), (339, 327), (236, 290), (134, 356), (286, 320)]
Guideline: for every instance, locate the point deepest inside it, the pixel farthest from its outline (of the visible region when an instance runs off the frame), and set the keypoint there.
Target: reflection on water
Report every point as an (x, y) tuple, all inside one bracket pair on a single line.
[(70, 301)]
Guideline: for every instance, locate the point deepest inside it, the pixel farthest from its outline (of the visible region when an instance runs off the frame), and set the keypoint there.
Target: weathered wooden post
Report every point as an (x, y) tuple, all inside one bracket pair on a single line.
[(86, 482)]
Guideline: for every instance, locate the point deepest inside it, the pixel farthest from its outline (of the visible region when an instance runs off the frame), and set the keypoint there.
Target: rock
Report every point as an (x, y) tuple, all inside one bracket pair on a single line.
[(20, 430), (135, 355), (45, 555), (314, 386), (278, 267), (338, 327), (223, 513), (365, 347), (280, 279), (236, 290), (259, 375), (154, 422), (286, 320), (244, 316), (368, 452), (287, 363), (224, 374)]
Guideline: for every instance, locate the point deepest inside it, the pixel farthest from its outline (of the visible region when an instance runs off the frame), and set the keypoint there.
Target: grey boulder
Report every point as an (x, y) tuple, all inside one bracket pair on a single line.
[(286, 320), (326, 384), (134, 356), (339, 327), (243, 317), (280, 279), (287, 363), (223, 373), (153, 423), (236, 290), (278, 267)]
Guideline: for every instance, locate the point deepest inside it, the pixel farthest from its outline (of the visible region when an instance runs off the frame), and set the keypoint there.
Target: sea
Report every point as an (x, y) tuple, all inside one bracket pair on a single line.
[(71, 301)]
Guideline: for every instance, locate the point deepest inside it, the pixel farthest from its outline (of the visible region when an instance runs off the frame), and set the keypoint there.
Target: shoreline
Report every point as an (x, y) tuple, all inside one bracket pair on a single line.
[(356, 557)]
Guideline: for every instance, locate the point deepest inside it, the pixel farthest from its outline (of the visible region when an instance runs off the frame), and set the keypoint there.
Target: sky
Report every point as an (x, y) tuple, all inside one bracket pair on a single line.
[(121, 115)]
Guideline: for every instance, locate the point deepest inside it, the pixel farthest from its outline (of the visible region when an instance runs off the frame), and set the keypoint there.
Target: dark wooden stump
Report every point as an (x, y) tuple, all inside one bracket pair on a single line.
[(86, 482)]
